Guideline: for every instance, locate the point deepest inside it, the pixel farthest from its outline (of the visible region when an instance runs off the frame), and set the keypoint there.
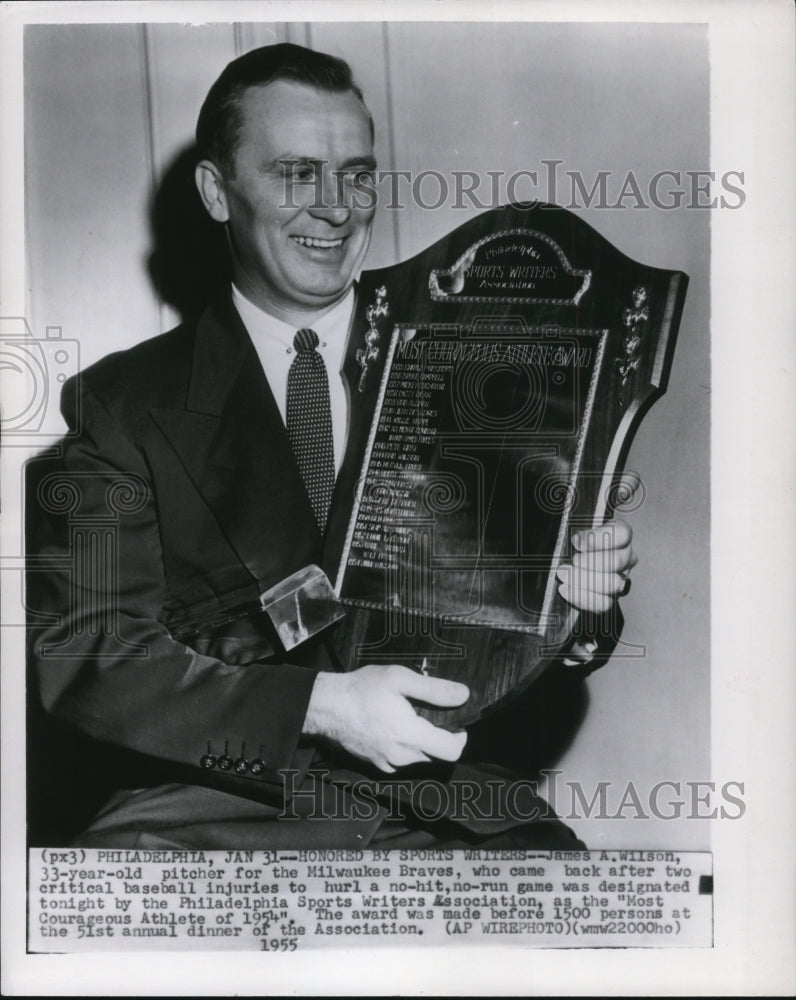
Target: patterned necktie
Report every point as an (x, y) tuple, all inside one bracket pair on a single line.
[(309, 422)]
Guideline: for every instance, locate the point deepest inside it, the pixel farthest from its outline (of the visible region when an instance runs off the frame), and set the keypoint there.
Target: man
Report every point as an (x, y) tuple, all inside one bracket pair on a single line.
[(194, 445)]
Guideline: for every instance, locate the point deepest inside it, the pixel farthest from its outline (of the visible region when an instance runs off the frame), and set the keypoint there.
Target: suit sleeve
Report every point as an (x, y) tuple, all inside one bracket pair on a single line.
[(105, 662)]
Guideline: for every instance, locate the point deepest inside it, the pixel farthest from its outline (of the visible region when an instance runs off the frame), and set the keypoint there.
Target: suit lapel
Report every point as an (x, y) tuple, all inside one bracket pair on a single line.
[(232, 442)]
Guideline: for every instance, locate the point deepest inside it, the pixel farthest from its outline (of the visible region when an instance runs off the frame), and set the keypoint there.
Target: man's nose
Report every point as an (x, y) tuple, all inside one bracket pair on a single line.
[(330, 202), (335, 215)]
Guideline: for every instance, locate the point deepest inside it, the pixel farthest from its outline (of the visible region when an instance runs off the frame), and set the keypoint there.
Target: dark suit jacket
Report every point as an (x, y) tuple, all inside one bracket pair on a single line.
[(176, 499), (208, 510)]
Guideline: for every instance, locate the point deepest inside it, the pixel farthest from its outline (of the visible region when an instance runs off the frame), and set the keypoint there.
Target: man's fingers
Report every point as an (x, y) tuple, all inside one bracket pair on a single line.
[(370, 713), (605, 560), (612, 535), (432, 690), (600, 566), (586, 600), (438, 742), (579, 580), (423, 740), (404, 756), (428, 741)]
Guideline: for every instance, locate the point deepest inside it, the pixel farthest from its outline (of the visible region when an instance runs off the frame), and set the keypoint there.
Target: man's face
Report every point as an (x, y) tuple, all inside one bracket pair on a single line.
[(297, 232)]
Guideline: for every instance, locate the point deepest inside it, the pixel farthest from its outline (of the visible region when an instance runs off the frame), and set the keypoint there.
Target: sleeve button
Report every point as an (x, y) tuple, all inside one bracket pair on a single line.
[(207, 760), (257, 766), (224, 762), (241, 765)]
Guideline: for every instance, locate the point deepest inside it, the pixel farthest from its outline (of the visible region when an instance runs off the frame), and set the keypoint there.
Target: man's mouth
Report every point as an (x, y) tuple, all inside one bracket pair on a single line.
[(318, 244)]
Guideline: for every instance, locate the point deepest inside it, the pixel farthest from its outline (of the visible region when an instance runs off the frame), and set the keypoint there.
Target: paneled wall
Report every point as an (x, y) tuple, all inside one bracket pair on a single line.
[(110, 107)]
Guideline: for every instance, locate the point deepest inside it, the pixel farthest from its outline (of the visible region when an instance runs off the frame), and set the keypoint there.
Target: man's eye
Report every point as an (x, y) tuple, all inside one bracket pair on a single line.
[(303, 174), (365, 176), (299, 173)]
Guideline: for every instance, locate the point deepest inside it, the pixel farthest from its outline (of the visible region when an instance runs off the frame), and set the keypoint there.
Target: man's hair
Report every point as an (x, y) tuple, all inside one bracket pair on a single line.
[(220, 120)]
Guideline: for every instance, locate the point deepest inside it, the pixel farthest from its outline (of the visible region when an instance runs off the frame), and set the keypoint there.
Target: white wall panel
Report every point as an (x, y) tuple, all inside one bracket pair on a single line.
[(182, 63), (87, 185)]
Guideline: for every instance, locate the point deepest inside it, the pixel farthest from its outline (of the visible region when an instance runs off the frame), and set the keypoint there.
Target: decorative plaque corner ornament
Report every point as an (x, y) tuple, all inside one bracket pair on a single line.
[(375, 314), (627, 361)]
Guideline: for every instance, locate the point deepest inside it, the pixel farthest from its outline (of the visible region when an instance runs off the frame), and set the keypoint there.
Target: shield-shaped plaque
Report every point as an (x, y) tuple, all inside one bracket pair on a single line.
[(522, 352)]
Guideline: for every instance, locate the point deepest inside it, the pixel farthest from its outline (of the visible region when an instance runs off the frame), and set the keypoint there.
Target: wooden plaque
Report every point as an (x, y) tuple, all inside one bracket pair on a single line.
[(522, 351)]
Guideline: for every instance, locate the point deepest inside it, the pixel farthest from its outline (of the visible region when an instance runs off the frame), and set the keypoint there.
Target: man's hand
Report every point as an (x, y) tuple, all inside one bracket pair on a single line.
[(600, 568), (604, 556), (599, 573), (368, 713)]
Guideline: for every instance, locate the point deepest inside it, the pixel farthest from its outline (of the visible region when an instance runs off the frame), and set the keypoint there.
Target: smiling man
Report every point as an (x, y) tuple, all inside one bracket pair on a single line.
[(293, 255), (236, 442)]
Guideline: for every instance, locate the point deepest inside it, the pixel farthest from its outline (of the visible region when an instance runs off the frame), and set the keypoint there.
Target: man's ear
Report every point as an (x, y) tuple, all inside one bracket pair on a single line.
[(210, 184)]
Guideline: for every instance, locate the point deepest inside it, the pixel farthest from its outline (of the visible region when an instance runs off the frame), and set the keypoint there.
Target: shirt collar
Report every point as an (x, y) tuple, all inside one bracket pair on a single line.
[(261, 324)]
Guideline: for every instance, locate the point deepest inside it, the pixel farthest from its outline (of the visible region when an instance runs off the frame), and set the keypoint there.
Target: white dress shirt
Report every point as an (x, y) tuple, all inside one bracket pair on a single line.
[(273, 341)]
